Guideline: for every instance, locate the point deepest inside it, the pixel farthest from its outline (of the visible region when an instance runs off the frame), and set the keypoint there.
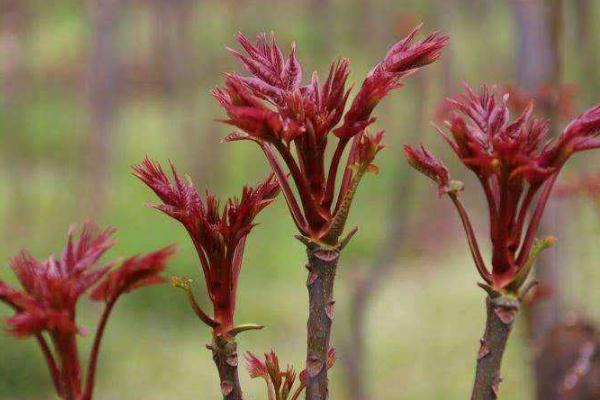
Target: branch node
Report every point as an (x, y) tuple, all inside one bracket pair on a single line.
[(312, 278), (527, 289), (330, 310), (521, 276), (314, 366), (308, 242), (326, 255), (506, 314), (496, 386), (493, 293), (484, 349), (232, 359), (226, 388)]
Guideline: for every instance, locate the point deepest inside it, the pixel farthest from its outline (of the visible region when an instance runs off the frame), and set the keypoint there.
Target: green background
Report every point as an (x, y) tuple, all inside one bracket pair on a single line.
[(424, 322)]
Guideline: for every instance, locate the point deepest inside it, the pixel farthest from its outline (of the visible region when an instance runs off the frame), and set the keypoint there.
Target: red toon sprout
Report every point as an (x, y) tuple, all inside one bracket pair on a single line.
[(292, 123), (280, 383), (517, 167), (51, 289), (218, 235), (425, 162)]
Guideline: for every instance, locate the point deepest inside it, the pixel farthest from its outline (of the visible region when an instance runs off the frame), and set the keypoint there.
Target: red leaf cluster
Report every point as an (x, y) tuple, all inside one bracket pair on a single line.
[(135, 272), (516, 165), (218, 234), (280, 382), (426, 163), (292, 122), (51, 289)]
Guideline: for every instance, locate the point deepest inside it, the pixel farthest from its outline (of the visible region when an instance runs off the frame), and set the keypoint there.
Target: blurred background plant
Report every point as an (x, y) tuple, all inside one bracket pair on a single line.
[(88, 88)]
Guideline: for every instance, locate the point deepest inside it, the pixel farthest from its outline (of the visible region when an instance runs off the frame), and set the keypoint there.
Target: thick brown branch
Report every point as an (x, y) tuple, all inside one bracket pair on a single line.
[(322, 265), (501, 313), (226, 359)]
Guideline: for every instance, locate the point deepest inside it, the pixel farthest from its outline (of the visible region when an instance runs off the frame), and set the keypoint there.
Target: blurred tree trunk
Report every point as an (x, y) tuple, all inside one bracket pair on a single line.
[(14, 25), (583, 15), (368, 286), (543, 67), (539, 65), (588, 57), (447, 15), (537, 62), (102, 85), (180, 76), (204, 151)]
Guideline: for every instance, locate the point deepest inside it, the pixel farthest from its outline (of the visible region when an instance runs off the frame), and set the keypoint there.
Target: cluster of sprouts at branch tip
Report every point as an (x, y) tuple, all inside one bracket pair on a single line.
[(219, 236), (517, 167), (281, 383), (292, 123), (45, 306)]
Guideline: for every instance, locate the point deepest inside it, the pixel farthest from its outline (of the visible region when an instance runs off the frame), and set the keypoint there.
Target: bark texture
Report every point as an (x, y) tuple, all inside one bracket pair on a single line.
[(226, 359), (501, 313), (322, 266)]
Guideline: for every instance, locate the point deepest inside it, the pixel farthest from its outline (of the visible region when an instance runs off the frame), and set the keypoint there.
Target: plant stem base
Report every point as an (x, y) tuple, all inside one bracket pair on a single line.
[(226, 359), (501, 312), (322, 266)]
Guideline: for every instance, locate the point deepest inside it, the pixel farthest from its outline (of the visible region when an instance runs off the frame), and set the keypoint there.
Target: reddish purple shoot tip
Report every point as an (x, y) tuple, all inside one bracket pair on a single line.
[(293, 122), (516, 166)]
